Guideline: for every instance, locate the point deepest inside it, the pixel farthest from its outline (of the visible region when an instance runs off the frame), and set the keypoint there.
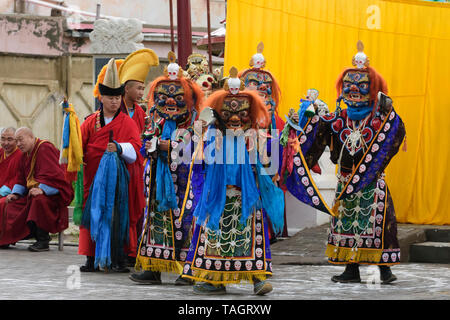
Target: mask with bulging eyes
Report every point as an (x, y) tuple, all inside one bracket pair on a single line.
[(235, 113), (169, 101), (356, 89), (261, 81)]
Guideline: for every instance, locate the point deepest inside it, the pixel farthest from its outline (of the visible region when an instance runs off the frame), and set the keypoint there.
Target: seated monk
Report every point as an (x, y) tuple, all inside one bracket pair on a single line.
[(9, 160), (38, 202)]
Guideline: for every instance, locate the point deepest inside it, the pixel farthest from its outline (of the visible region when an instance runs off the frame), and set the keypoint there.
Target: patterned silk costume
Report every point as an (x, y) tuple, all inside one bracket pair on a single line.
[(174, 102), (362, 139), (264, 83), (235, 197)]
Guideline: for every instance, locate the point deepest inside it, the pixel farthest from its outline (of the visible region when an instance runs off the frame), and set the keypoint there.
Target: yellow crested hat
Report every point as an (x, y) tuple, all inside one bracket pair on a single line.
[(137, 65)]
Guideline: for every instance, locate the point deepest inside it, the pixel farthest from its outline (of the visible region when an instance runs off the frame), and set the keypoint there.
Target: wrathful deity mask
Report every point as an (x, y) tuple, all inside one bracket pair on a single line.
[(235, 113), (356, 89), (261, 81), (169, 101), (197, 66)]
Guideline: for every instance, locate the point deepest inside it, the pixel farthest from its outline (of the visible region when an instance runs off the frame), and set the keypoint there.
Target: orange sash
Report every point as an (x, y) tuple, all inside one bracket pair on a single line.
[(31, 183)]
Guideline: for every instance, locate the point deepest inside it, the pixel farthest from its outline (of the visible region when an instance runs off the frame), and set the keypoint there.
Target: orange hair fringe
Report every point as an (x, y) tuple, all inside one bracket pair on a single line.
[(258, 112), (190, 88), (377, 83)]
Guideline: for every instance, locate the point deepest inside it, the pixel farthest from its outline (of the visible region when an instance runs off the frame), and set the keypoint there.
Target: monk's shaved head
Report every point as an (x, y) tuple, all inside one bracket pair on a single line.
[(25, 131), (25, 139), (134, 92), (7, 140), (8, 130)]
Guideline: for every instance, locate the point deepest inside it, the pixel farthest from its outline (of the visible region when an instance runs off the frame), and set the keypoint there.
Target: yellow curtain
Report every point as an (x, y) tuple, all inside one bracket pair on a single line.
[(307, 43)]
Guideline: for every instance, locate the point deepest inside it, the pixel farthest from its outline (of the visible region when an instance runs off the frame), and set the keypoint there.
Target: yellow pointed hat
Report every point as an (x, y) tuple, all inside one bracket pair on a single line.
[(137, 64)]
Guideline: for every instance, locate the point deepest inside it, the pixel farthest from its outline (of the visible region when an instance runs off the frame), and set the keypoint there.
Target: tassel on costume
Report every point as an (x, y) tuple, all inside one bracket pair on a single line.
[(223, 277), (158, 265), (346, 255)]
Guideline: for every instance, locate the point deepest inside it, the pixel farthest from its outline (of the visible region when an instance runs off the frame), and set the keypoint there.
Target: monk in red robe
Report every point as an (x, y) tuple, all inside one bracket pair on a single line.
[(38, 202), (95, 132), (133, 72), (9, 161), (133, 92)]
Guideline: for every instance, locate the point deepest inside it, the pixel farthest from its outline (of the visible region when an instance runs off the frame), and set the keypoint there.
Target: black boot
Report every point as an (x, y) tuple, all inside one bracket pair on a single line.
[(147, 277), (184, 281), (89, 265), (386, 275), (261, 287), (131, 262), (42, 241), (121, 266), (350, 275)]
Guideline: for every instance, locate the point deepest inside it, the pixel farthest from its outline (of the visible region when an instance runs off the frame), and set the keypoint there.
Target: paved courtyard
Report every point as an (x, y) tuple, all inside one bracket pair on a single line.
[(54, 275)]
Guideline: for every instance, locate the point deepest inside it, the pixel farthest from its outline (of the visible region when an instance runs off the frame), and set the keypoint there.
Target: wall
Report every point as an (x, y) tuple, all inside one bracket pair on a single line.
[(39, 63), (37, 35), (152, 12), (31, 88), (50, 36)]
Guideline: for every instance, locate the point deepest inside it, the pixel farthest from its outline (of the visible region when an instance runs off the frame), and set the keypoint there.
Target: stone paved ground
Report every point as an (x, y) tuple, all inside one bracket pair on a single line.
[(53, 275), (300, 273), (308, 245)]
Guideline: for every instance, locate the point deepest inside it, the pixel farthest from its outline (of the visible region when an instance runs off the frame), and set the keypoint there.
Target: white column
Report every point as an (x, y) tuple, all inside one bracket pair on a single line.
[(300, 215)]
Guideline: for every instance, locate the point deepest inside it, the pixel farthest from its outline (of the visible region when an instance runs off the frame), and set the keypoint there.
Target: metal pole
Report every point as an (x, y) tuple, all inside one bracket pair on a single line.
[(19, 6), (97, 13), (172, 41), (184, 31), (209, 35)]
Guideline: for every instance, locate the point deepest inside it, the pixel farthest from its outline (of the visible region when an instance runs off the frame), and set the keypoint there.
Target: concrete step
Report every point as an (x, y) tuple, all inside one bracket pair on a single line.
[(430, 252), (438, 235)]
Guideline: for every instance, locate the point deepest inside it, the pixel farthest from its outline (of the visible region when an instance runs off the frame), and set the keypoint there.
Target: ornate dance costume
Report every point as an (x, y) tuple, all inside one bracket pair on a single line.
[(264, 83), (174, 102), (362, 139), (230, 242)]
